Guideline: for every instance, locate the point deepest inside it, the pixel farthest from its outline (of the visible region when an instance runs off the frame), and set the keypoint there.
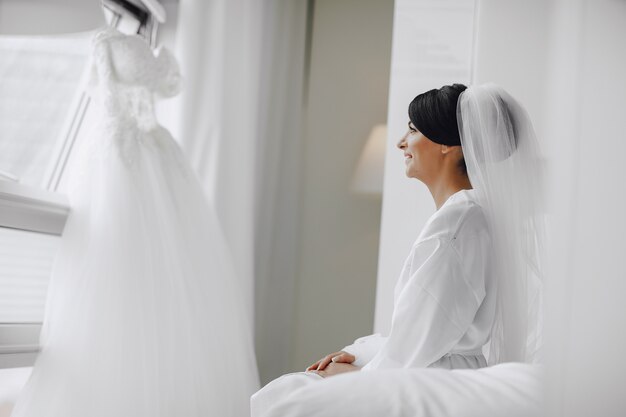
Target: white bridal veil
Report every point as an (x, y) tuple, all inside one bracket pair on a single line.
[(506, 169)]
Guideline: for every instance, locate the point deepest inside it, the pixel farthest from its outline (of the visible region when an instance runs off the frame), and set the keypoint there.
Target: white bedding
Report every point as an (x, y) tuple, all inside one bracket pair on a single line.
[(505, 390)]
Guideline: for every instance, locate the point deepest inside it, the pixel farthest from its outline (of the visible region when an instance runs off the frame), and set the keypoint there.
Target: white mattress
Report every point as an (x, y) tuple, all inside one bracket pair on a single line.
[(505, 390)]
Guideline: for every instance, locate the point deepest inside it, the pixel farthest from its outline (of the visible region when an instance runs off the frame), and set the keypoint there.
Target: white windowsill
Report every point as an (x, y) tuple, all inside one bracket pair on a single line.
[(19, 344), (29, 208)]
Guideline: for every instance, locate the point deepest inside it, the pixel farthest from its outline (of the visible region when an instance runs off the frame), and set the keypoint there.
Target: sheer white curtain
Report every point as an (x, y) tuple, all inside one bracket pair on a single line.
[(217, 44), (243, 67), (586, 313), (570, 71), (276, 218)]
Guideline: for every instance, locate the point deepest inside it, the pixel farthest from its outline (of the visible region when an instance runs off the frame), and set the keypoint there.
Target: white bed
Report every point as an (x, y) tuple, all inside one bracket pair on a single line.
[(505, 390)]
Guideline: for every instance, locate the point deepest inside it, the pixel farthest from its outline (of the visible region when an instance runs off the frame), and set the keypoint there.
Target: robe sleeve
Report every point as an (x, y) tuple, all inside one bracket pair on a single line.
[(435, 306), (365, 348)]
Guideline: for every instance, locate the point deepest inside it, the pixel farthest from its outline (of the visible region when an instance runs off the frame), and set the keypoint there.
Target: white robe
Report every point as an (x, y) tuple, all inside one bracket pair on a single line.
[(444, 299), (444, 303)]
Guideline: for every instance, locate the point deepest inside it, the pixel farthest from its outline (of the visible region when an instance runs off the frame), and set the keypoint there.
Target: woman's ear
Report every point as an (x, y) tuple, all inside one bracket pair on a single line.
[(449, 149)]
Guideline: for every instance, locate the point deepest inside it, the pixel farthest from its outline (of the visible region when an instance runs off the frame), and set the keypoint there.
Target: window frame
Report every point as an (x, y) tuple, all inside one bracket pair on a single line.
[(39, 209)]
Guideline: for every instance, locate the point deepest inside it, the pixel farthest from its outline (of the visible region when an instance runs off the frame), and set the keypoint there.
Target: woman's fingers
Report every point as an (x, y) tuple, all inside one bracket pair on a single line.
[(339, 357), (314, 366), (344, 358), (329, 358), (324, 362)]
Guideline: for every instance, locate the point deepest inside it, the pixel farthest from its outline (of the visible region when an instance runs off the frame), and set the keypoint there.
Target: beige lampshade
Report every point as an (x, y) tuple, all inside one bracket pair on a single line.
[(368, 176)]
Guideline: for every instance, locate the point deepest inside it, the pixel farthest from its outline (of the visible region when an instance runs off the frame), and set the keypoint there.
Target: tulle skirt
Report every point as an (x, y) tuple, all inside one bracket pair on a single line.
[(144, 315)]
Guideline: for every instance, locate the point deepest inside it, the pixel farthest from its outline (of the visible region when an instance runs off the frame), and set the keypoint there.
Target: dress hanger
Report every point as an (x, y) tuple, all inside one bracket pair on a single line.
[(136, 16)]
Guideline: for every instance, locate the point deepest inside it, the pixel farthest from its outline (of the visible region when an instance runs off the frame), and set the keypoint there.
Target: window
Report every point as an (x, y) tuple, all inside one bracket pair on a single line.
[(39, 84), (25, 263), (42, 102)]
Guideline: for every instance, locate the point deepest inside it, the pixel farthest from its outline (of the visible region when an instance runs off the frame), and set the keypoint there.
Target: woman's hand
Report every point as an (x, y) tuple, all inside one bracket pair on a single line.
[(335, 368), (337, 357)]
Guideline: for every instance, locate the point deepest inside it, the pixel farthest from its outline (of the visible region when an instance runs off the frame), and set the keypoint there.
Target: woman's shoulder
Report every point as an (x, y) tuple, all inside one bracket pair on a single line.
[(458, 219)]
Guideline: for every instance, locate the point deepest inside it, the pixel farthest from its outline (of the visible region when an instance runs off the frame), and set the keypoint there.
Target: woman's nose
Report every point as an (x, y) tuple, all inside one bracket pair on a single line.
[(401, 143)]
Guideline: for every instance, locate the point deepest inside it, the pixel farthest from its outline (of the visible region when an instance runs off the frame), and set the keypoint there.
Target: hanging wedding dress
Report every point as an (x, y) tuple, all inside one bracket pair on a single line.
[(144, 314)]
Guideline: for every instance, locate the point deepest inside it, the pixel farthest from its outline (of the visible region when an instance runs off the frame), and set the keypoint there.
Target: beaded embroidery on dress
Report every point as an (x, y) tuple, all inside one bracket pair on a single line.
[(143, 304)]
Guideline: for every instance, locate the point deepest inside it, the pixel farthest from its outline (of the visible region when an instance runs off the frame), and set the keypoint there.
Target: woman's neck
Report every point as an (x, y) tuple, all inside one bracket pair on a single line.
[(444, 189)]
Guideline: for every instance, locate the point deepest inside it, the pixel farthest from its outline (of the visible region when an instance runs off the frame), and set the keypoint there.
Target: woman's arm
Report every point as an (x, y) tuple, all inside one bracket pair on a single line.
[(436, 305), (365, 348), (357, 354)]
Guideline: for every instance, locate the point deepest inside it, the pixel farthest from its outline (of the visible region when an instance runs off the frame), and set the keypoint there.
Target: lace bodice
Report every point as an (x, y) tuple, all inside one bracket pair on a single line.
[(127, 75)]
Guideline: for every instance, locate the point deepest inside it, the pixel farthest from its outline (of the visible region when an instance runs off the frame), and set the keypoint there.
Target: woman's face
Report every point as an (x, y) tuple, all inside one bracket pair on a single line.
[(422, 157)]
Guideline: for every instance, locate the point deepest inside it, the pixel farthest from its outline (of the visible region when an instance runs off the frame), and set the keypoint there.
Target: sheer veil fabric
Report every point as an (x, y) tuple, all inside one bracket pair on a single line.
[(144, 316), (506, 169)]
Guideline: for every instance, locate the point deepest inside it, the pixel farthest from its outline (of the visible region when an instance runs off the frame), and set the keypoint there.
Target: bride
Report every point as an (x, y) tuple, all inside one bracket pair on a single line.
[(469, 291)]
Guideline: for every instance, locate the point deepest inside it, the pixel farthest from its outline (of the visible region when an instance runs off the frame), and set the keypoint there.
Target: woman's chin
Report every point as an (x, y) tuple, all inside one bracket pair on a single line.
[(411, 173)]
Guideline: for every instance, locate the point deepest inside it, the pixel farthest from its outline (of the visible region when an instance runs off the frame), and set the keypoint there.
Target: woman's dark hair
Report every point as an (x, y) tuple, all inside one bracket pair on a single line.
[(434, 114)]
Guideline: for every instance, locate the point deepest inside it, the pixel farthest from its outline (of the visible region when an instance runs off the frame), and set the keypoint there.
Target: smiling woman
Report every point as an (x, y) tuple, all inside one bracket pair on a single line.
[(444, 299), (444, 302), (463, 286)]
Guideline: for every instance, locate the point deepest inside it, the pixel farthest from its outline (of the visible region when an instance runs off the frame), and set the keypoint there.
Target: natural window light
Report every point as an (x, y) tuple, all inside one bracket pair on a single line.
[(40, 79), (42, 102), (25, 263)]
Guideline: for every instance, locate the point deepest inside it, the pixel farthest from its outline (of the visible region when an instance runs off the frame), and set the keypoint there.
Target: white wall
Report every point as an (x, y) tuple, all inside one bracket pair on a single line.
[(432, 47), (347, 96), (511, 50)]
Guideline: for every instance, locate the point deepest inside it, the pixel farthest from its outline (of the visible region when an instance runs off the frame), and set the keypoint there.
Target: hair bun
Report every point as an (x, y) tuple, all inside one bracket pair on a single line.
[(434, 114)]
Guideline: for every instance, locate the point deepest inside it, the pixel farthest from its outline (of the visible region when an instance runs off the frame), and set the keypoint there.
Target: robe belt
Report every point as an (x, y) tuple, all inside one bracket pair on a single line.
[(475, 352)]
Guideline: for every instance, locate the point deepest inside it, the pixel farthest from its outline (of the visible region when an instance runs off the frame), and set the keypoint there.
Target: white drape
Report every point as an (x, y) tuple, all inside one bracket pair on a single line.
[(243, 66), (586, 313), (277, 181), (217, 46)]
